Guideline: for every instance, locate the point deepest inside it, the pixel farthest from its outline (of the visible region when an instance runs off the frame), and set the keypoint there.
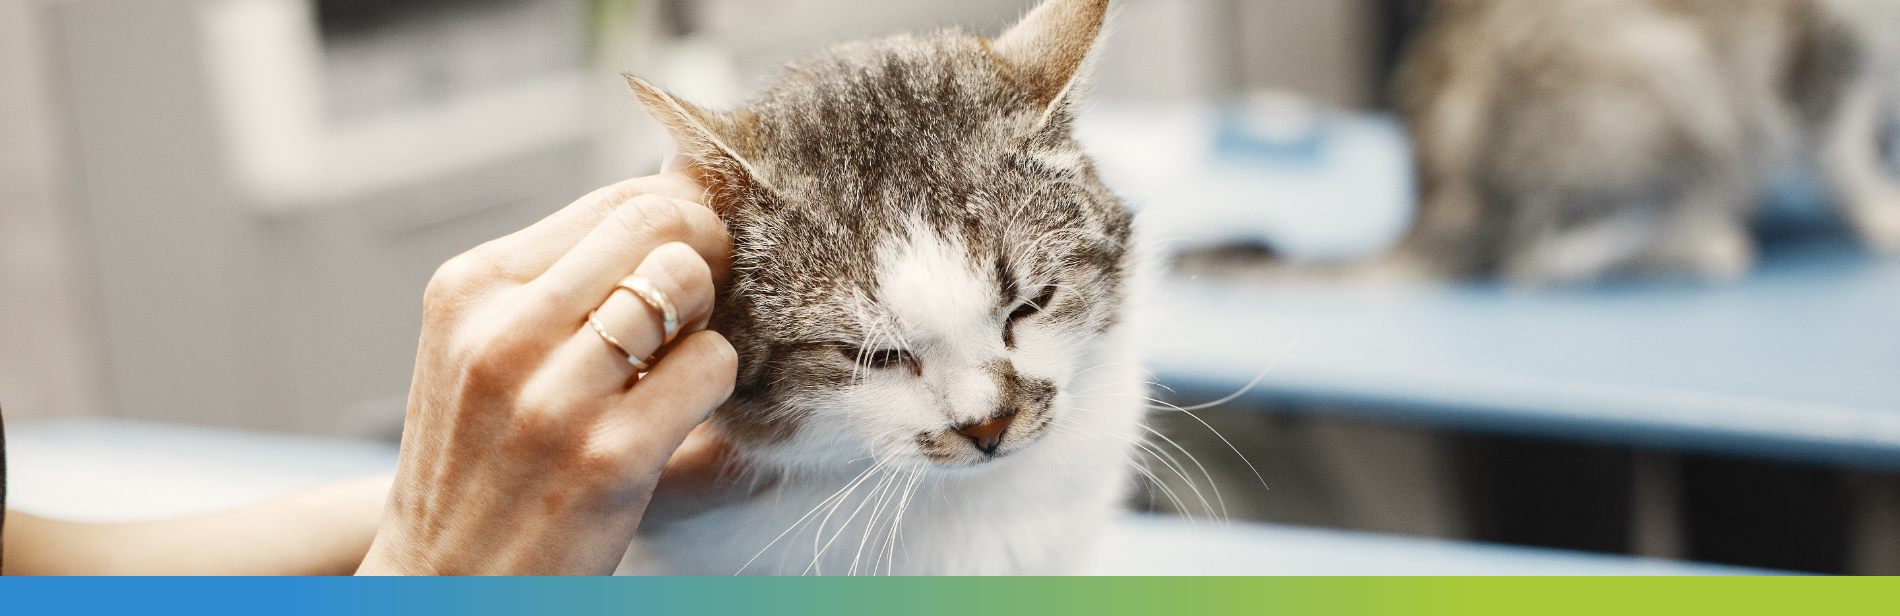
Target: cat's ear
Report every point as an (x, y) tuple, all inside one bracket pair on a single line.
[(694, 138), (1048, 47)]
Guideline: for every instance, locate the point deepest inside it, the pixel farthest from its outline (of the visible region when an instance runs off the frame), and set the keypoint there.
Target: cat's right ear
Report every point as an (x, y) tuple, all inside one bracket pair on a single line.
[(1049, 47), (694, 138)]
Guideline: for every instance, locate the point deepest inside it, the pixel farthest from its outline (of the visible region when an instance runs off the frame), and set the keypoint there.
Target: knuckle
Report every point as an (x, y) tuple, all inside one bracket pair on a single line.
[(679, 185), (693, 270), (700, 284), (485, 365), (495, 359), (726, 360), (684, 267), (603, 460), (605, 196), (721, 360), (654, 217), (457, 277), (541, 300)]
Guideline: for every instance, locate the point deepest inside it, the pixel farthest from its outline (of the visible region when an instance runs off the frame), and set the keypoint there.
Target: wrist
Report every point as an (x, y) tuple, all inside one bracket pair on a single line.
[(387, 557)]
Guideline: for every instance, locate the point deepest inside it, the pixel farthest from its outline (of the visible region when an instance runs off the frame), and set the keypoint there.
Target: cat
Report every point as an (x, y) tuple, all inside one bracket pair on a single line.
[(1568, 140), (929, 302)]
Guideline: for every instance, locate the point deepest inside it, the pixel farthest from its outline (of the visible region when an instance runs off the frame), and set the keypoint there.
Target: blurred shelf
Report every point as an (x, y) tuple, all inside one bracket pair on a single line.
[(311, 118), (1800, 361)]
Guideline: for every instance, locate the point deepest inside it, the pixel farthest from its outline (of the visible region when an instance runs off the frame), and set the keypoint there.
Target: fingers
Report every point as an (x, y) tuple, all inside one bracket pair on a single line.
[(529, 252), (678, 273), (581, 279), (595, 366), (682, 390), (679, 393), (516, 259)]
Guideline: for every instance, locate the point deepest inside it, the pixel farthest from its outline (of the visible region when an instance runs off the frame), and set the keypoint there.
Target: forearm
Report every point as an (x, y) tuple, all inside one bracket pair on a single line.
[(323, 531)]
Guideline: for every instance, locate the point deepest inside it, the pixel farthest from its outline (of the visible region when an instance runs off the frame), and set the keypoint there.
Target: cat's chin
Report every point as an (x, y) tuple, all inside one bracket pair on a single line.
[(972, 467), (821, 450), (972, 462)]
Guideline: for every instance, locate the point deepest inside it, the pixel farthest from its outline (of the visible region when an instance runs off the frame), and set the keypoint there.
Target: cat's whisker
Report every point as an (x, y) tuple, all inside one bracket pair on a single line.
[(819, 552), (818, 535), (1168, 460), (902, 500), (865, 346), (1153, 480), (885, 494), (1095, 441), (833, 502), (896, 532), (1223, 438), (1151, 375), (1157, 404), (874, 439), (920, 483), (1250, 384), (1171, 442), (1150, 383), (801, 519), (1083, 393), (1212, 484), (882, 496)]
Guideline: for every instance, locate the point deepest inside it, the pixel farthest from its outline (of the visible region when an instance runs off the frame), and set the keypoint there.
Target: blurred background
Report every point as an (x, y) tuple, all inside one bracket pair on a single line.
[(223, 213)]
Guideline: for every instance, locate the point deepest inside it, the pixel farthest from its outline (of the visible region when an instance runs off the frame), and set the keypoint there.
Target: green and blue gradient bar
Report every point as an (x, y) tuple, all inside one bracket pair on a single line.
[(958, 596)]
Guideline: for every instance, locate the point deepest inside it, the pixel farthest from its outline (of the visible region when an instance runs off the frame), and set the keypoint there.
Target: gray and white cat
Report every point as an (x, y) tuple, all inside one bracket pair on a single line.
[(1563, 140), (928, 298)]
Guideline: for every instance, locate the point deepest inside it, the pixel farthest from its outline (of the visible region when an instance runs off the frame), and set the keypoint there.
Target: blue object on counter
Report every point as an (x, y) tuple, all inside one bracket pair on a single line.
[(1300, 143)]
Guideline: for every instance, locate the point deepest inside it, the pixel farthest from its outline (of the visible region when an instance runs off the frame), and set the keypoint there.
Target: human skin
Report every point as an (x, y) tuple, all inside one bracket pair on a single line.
[(530, 446), (321, 531)]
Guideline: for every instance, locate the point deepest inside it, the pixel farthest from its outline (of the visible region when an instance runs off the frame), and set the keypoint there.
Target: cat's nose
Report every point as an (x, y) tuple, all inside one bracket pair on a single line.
[(988, 435)]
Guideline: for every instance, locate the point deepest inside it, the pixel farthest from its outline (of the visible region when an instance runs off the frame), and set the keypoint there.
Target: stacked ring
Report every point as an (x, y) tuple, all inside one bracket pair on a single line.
[(655, 299), (658, 301)]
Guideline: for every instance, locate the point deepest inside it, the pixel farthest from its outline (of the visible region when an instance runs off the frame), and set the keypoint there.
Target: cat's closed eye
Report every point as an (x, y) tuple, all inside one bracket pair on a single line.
[(880, 358), (1033, 306)]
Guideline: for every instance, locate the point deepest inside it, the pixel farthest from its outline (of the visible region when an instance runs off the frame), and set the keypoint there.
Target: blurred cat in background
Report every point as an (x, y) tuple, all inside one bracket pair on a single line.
[(928, 300), (1566, 140)]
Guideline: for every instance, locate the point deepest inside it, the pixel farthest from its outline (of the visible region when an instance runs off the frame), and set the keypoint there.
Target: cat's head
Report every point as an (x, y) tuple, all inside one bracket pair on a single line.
[(922, 253)]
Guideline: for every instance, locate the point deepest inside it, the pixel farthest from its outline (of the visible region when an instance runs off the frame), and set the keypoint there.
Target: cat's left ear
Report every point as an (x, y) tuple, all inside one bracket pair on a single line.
[(695, 137), (1048, 48)]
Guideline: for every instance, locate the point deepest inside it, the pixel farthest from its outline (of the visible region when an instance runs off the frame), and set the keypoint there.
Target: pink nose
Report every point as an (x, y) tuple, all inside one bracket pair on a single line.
[(988, 435)]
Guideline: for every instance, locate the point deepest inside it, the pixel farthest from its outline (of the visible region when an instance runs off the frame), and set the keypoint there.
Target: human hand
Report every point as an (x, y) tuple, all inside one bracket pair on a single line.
[(531, 446)]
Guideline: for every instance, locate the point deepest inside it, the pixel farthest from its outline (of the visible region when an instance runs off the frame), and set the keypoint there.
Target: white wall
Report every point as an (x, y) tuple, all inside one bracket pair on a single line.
[(1320, 48), (46, 367), (195, 303), (1156, 49)]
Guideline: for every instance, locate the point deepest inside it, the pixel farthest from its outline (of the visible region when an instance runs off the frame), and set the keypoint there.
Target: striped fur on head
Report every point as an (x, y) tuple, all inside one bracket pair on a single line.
[(919, 243)]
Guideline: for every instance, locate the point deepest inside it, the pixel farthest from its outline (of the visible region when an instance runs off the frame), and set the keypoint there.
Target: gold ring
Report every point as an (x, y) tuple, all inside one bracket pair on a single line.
[(655, 299), (642, 288), (611, 341)]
